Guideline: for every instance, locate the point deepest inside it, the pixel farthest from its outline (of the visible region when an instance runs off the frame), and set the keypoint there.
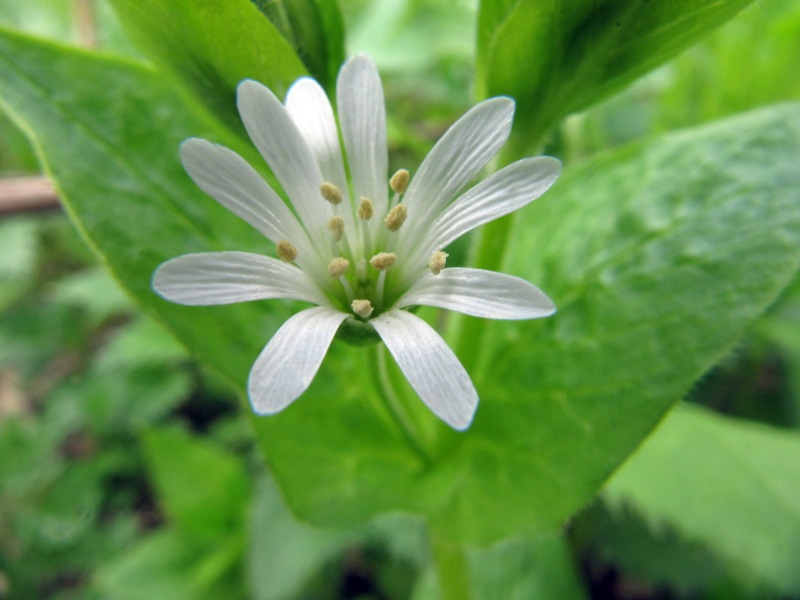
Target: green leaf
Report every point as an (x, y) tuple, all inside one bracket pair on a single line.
[(19, 239), (556, 57), (93, 291), (526, 568), (315, 29), (170, 564), (108, 132), (657, 257), (284, 552), (202, 488), (731, 485), (211, 46), (516, 569), (619, 539)]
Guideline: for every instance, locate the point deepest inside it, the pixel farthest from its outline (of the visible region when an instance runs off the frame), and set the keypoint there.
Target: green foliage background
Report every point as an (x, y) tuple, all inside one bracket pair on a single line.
[(661, 255)]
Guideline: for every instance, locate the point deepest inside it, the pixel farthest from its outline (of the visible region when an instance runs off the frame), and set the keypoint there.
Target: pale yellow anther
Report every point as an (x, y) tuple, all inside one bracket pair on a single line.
[(365, 209), (362, 308), (330, 192), (286, 251), (338, 266), (383, 260), (437, 261), (396, 217), (336, 227), (399, 181)]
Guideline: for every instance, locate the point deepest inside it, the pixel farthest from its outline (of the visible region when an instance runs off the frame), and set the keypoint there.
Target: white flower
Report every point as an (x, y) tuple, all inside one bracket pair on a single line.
[(349, 246)]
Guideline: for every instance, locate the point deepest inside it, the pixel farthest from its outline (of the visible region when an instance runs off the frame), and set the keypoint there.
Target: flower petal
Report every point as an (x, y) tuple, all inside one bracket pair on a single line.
[(504, 192), (456, 159), (286, 151), (311, 111), (291, 359), (231, 181), (211, 278), (430, 366), (362, 116), (479, 293)]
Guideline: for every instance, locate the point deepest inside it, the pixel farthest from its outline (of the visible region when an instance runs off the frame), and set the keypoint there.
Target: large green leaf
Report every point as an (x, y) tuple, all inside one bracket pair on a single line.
[(108, 132), (285, 553), (517, 569), (657, 257), (729, 484), (556, 57), (211, 46), (315, 28), (202, 488)]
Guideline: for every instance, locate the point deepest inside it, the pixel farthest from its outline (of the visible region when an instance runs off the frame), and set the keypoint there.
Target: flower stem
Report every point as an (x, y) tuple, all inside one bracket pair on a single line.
[(451, 567), (395, 406)]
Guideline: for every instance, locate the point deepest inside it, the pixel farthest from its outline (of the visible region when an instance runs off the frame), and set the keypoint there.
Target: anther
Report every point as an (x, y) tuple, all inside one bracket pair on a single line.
[(365, 209), (399, 181), (362, 308), (286, 251), (330, 192), (383, 260), (437, 261), (336, 227), (338, 266), (396, 217)]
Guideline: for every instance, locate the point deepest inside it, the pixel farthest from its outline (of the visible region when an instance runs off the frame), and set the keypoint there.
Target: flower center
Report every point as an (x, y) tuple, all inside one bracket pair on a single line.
[(361, 249)]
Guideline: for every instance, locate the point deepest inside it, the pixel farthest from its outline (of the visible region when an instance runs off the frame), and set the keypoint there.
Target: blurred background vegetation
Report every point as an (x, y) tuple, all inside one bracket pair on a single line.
[(128, 472)]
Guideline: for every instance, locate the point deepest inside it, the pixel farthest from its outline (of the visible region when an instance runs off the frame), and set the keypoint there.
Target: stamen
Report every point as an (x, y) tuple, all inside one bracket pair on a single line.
[(383, 260), (331, 193), (286, 251), (437, 261), (396, 217), (399, 181), (338, 266), (365, 209), (362, 308), (336, 227)]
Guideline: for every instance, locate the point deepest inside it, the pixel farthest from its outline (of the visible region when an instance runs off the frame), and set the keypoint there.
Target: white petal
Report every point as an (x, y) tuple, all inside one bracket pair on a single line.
[(284, 148), (479, 293), (287, 365), (456, 159), (311, 111), (430, 366), (362, 116), (504, 192), (213, 278), (229, 179)]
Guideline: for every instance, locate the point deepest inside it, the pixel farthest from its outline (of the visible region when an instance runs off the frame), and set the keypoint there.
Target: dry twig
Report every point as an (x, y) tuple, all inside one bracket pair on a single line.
[(27, 194)]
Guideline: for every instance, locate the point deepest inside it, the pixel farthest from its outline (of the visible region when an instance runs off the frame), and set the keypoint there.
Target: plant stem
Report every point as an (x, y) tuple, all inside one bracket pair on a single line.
[(489, 255), (451, 568), (395, 406)]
